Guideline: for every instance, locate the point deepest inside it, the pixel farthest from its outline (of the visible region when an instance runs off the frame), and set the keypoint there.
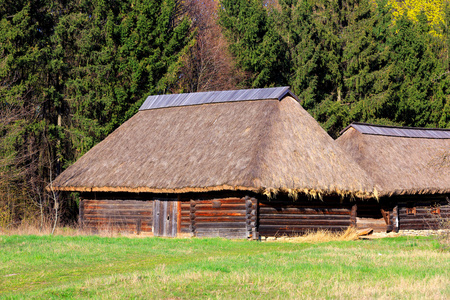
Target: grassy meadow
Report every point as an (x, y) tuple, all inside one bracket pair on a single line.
[(54, 267)]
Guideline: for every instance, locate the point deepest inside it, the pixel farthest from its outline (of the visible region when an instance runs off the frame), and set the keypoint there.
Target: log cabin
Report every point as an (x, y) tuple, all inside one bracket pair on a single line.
[(410, 168), (234, 164)]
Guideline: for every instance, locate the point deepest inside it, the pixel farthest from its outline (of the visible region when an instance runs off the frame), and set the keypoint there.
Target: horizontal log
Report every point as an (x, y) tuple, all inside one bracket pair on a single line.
[(220, 219), (112, 221), (303, 216), (375, 227), (148, 220), (129, 227), (305, 222), (215, 225), (121, 207), (119, 201), (240, 235), (309, 211), (219, 213), (296, 227), (371, 225), (423, 219), (222, 200), (229, 230), (113, 216), (423, 210), (89, 201), (305, 204), (417, 227), (222, 207), (296, 232), (118, 212), (420, 222), (113, 225)]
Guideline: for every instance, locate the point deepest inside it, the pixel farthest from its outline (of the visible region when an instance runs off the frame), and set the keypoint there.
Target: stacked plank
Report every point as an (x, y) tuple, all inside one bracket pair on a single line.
[(284, 218), (227, 217), (131, 216), (423, 215)]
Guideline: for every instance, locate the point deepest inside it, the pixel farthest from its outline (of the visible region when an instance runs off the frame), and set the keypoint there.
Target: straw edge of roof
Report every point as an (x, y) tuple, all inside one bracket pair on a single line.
[(391, 192), (269, 192), (410, 192)]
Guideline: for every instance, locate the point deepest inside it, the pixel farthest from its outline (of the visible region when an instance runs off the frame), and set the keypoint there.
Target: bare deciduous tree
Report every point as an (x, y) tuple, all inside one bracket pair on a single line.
[(209, 65)]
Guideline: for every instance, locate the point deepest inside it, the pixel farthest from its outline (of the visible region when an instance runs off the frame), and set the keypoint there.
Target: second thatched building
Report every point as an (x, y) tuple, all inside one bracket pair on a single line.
[(411, 170)]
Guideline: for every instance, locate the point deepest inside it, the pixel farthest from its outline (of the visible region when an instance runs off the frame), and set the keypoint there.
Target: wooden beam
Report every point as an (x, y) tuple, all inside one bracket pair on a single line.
[(178, 215)]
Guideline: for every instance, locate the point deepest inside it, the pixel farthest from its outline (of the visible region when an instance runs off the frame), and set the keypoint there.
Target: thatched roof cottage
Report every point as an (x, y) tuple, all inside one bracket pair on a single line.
[(410, 168), (212, 163)]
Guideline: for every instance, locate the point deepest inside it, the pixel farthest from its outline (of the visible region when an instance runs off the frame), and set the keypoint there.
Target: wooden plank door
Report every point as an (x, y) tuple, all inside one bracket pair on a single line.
[(165, 217)]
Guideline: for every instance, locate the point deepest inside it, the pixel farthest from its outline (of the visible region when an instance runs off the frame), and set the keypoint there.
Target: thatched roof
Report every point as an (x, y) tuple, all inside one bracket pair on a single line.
[(401, 160), (260, 145)]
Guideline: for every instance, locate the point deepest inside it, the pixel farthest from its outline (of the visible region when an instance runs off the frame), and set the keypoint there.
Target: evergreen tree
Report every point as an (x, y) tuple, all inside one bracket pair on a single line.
[(73, 71), (413, 66), (117, 55), (258, 48), (337, 55), (25, 103), (441, 97)]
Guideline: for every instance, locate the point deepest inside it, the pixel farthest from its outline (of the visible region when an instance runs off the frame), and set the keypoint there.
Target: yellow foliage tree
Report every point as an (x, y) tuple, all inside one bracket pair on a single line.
[(433, 10)]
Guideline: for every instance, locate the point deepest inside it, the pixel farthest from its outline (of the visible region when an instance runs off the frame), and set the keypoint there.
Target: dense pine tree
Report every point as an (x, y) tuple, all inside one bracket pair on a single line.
[(350, 60), (257, 46), (73, 71)]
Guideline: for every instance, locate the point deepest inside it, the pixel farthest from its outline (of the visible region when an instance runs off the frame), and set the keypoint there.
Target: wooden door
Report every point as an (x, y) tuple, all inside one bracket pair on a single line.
[(165, 217)]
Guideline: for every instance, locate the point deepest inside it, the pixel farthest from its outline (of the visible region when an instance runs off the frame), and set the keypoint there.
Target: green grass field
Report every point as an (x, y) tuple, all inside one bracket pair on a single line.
[(54, 267)]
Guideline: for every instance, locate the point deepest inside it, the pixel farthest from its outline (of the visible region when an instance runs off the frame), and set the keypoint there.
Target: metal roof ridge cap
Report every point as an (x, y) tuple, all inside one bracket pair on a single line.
[(287, 91), (187, 99), (398, 127), (399, 131)]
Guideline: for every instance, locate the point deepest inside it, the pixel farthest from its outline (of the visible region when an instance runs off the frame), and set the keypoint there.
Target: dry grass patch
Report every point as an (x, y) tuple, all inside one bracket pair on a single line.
[(38, 229), (319, 236)]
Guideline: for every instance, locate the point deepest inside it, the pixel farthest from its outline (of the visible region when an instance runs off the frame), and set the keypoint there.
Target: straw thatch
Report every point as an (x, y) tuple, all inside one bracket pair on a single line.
[(262, 146), (401, 165)]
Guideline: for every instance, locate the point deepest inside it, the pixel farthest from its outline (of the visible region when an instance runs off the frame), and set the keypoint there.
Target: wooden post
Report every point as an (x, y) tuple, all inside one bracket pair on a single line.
[(248, 215), (156, 211), (254, 219), (81, 214), (138, 226), (251, 209), (353, 215), (179, 215), (192, 217)]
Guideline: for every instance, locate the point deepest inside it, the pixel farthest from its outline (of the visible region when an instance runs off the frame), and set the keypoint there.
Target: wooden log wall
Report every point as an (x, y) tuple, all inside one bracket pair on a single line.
[(288, 218), (225, 217), (131, 216), (185, 218), (423, 212)]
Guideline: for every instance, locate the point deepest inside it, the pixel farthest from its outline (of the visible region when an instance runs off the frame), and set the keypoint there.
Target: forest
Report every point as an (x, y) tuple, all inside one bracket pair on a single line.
[(73, 71)]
